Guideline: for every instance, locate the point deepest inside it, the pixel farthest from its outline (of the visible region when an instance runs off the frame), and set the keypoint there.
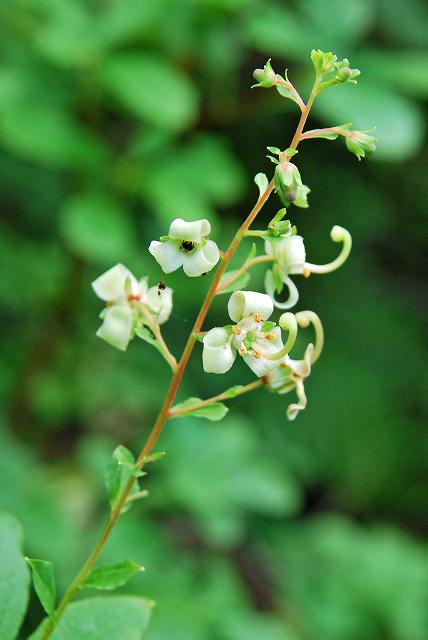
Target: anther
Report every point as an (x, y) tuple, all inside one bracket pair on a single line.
[(255, 354), (236, 330), (257, 317), (306, 272)]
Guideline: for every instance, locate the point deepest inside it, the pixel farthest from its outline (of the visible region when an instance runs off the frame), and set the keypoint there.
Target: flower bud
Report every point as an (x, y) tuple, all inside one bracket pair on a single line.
[(360, 144), (323, 62), (265, 77), (287, 181)]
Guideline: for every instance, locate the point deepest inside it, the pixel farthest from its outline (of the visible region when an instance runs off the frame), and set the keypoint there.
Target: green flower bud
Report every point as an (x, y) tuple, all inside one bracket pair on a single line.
[(265, 77), (323, 62), (360, 144), (288, 185), (344, 73)]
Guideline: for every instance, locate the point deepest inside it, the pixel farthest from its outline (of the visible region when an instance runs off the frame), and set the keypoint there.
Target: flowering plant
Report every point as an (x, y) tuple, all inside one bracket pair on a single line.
[(134, 309)]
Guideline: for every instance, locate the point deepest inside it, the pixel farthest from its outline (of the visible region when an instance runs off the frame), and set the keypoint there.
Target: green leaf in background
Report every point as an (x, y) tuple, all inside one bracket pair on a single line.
[(151, 89), (14, 577), (44, 583), (241, 281), (50, 135), (214, 412), (111, 576), (103, 618), (96, 227)]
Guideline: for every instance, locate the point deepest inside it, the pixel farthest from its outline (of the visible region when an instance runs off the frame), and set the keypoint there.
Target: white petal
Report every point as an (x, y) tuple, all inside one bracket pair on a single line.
[(202, 260), (260, 366), (159, 302), (110, 285), (167, 254), (290, 253), (117, 326), (191, 231), (218, 356), (245, 303)]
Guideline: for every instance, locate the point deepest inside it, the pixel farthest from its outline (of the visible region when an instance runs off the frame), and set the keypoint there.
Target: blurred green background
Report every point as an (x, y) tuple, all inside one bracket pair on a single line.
[(115, 117)]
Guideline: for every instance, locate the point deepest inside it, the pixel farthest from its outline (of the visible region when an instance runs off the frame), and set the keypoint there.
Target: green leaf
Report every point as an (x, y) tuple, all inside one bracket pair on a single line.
[(124, 617), (44, 583), (111, 576), (51, 136), (96, 227), (118, 473), (145, 334), (240, 282), (214, 412), (274, 150), (152, 89), (320, 134), (15, 577)]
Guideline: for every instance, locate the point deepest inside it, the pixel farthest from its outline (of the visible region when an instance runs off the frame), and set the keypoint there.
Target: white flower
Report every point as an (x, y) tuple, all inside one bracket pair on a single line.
[(186, 246), (289, 252), (258, 342), (128, 300)]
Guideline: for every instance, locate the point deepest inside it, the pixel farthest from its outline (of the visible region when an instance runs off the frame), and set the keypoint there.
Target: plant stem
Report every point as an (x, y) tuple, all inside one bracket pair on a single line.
[(173, 388), (155, 329), (225, 395), (247, 265)]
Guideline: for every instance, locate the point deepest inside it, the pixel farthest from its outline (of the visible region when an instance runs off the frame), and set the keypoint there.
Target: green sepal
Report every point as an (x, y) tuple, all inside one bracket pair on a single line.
[(44, 583), (111, 576), (214, 412), (274, 150), (290, 152), (268, 326), (272, 159)]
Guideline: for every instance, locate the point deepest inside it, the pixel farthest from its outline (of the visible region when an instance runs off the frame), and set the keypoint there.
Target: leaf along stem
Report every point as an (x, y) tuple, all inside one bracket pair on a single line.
[(173, 388), (225, 395)]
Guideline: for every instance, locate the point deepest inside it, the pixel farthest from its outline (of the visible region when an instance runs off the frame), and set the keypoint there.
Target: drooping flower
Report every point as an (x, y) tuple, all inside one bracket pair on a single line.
[(128, 301), (186, 245), (291, 374), (290, 259), (289, 186), (253, 337)]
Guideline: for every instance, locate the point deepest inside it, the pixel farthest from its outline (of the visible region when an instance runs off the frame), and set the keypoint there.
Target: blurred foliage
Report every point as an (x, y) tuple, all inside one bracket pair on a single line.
[(116, 116)]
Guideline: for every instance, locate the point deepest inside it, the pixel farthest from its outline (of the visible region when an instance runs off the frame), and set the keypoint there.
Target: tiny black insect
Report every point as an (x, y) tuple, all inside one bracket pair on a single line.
[(161, 286)]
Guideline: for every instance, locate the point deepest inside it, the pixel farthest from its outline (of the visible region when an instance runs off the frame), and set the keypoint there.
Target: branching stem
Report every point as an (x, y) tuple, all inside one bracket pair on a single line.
[(163, 416)]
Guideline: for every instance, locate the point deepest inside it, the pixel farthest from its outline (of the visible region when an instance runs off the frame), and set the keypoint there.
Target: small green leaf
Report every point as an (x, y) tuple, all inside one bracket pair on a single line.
[(272, 159), (240, 282), (118, 473), (291, 152), (44, 583), (252, 253), (14, 579), (126, 458), (111, 576), (274, 150), (214, 412), (154, 457), (124, 617)]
